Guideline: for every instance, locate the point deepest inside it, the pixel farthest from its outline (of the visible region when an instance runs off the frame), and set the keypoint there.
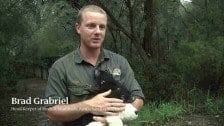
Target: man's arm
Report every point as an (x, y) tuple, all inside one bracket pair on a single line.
[(69, 112), (131, 83), (98, 105), (138, 103)]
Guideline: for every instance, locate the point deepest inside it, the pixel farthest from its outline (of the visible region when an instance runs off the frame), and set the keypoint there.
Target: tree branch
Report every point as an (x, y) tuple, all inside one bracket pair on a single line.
[(113, 19)]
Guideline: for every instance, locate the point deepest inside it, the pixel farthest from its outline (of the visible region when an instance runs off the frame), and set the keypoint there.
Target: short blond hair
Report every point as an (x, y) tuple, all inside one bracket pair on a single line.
[(91, 8)]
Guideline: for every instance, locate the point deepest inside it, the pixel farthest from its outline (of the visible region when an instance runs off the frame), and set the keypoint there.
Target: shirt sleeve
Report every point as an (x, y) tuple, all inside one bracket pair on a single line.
[(56, 87), (128, 79)]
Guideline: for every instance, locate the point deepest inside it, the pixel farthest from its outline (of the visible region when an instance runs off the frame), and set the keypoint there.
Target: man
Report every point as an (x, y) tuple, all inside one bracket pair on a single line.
[(72, 76)]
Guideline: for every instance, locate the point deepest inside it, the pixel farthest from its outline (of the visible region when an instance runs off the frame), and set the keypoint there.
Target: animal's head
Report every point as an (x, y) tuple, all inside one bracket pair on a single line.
[(105, 81), (130, 113)]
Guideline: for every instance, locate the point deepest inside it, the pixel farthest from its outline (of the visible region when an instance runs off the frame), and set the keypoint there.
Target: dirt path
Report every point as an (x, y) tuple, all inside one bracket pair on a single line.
[(197, 120), (25, 115), (22, 115)]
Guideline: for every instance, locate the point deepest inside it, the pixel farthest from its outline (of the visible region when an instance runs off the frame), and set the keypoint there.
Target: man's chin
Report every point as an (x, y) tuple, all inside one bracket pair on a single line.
[(96, 45)]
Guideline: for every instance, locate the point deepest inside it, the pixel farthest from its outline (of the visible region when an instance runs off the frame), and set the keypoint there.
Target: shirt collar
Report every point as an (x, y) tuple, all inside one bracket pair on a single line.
[(78, 57), (104, 56)]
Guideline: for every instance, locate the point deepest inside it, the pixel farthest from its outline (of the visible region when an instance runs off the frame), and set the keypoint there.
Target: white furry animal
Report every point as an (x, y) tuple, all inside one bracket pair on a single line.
[(127, 115)]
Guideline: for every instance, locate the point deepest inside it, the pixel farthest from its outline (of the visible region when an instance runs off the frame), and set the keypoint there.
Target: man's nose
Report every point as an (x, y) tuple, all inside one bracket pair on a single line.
[(97, 29)]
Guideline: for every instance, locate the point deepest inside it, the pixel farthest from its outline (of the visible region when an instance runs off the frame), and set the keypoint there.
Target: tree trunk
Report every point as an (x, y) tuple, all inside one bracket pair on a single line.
[(149, 28), (132, 24), (207, 19)]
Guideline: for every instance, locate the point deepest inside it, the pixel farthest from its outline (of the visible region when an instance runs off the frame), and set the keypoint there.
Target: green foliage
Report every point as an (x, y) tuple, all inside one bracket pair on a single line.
[(195, 61), (56, 33), (30, 31), (151, 114), (13, 33), (7, 75), (214, 106)]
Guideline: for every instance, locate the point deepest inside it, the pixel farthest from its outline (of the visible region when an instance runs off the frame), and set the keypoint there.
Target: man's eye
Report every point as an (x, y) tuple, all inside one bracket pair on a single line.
[(91, 26), (102, 26)]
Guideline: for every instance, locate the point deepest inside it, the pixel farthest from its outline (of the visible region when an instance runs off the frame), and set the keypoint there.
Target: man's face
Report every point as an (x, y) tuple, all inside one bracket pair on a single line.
[(92, 29)]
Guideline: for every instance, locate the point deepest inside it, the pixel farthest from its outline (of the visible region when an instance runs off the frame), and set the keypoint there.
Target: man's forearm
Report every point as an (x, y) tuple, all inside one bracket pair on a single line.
[(138, 103)]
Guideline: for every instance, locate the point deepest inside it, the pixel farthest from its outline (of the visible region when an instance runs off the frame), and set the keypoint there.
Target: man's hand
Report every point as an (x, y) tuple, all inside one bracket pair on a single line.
[(101, 105)]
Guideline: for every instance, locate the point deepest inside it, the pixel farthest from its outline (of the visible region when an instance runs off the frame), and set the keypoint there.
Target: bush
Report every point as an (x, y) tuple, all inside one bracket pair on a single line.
[(199, 63), (214, 106)]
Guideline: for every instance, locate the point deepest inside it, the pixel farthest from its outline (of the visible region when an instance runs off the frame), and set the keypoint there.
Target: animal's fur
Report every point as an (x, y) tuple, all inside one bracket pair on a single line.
[(105, 81)]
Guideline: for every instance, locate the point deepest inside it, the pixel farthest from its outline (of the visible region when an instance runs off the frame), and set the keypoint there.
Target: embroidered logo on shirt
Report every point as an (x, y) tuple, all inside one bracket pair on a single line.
[(116, 72)]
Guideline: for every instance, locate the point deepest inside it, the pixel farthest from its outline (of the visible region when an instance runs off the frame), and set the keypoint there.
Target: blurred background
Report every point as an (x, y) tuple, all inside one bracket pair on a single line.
[(176, 49)]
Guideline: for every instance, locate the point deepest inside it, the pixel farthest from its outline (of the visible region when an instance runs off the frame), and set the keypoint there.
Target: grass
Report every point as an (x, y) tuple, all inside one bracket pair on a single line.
[(214, 106), (152, 114)]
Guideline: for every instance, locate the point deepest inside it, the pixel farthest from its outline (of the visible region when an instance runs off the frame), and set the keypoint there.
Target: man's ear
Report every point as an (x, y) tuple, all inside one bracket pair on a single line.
[(77, 27)]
